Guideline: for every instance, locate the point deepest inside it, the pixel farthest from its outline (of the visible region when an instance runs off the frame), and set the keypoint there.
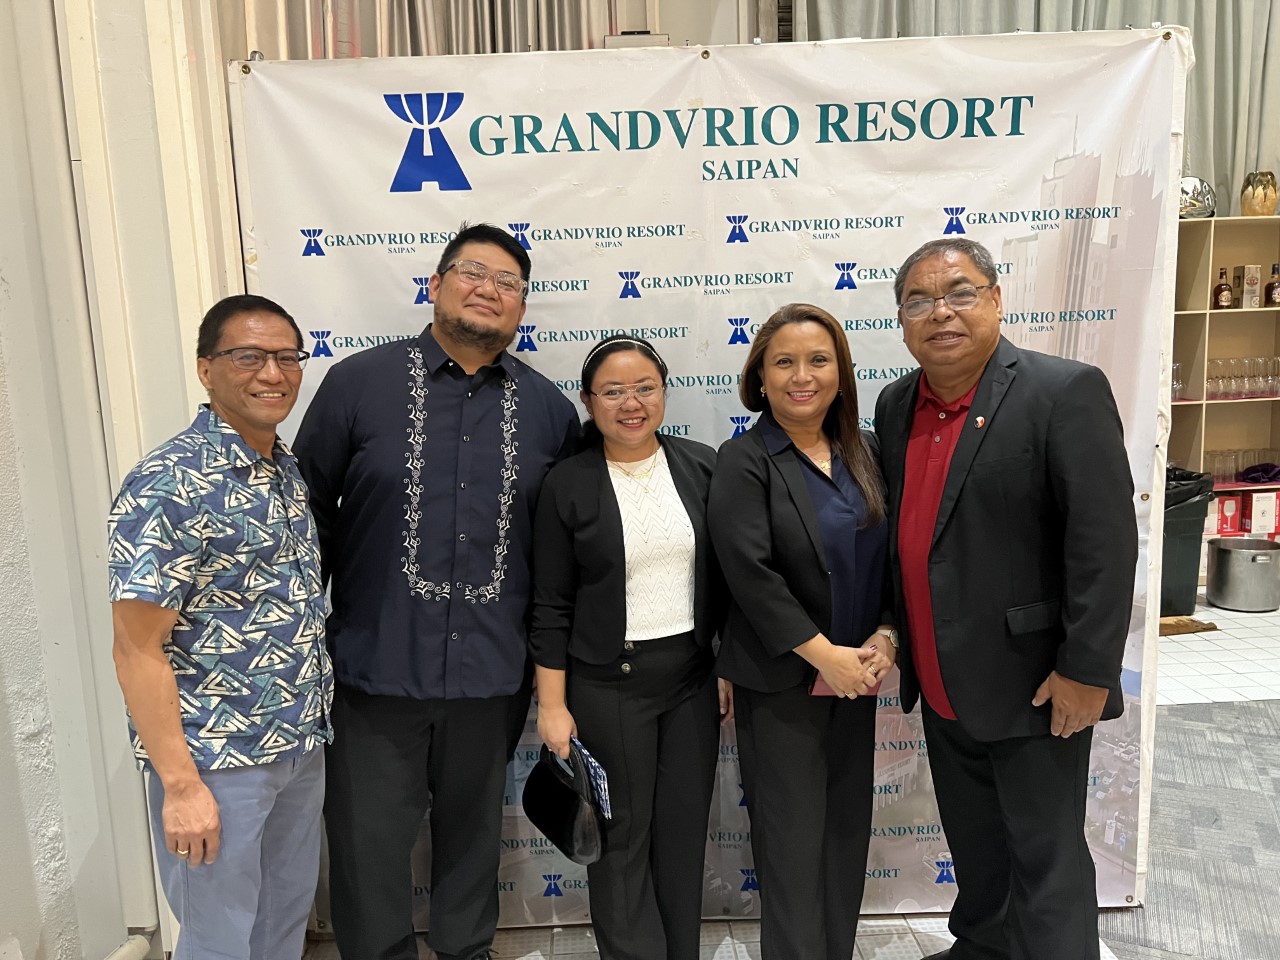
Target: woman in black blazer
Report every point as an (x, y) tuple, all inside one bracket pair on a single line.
[(796, 513), (627, 597)]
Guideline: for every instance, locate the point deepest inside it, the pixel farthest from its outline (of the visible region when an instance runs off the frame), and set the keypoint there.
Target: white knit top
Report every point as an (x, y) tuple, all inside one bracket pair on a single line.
[(658, 539)]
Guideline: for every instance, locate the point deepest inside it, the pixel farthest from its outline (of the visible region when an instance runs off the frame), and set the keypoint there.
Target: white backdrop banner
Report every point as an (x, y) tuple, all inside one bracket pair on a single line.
[(683, 195)]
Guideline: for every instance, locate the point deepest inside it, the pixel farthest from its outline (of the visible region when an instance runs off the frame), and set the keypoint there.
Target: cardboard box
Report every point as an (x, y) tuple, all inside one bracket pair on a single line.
[(1229, 508), (1259, 513), (1246, 286)]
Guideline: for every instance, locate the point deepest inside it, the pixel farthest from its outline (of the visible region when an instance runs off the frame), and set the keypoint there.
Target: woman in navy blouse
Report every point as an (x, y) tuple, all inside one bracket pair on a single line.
[(796, 513)]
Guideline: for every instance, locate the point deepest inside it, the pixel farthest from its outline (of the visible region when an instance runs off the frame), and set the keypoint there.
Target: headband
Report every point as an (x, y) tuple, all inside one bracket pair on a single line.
[(609, 343)]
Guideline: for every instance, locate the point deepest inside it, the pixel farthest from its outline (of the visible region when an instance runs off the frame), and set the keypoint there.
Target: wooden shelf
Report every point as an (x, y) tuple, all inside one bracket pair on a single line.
[(1239, 487), (1201, 334)]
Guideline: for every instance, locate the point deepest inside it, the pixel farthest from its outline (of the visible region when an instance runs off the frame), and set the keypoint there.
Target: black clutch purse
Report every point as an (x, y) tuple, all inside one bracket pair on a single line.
[(559, 803)]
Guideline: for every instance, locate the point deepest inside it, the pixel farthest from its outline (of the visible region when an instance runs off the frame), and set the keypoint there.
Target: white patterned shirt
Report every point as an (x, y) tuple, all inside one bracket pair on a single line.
[(657, 536)]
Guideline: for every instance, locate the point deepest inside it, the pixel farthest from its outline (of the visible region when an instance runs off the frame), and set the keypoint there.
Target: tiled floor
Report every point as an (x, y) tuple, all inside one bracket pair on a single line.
[(879, 938), (1238, 661)]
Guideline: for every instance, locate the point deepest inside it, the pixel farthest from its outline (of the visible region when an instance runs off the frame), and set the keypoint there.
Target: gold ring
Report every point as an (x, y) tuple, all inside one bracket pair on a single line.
[(182, 853)]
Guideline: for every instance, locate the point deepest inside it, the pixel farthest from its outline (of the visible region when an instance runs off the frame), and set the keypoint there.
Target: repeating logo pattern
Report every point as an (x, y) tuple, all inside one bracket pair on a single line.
[(521, 232), (426, 112), (739, 428), (629, 288), (749, 881), (526, 337), (322, 348), (946, 871), (312, 247), (846, 276), (738, 333), (553, 884), (953, 220), (736, 233), (424, 290), (207, 527)]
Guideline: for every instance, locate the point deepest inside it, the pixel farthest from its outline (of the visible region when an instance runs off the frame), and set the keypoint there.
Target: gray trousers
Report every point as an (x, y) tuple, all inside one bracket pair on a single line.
[(252, 902)]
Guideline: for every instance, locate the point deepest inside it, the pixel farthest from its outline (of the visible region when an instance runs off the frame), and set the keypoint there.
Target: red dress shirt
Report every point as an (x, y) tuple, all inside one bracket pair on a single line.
[(935, 430)]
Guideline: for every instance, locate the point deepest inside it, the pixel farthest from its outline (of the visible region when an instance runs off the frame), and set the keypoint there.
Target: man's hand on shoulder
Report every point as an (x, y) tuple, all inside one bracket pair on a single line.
[(1076, 706), (192, 822)]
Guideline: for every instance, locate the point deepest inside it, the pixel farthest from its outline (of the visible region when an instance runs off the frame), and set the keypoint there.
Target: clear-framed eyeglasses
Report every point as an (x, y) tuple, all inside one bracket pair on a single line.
[(961, 299), (617, 396), (255, 358), (477, 274)]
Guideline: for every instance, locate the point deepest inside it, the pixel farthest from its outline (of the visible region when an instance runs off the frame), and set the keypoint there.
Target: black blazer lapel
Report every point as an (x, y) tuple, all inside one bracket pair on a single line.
[(788, 464), (893, 441), (610, 516), (991, 390)]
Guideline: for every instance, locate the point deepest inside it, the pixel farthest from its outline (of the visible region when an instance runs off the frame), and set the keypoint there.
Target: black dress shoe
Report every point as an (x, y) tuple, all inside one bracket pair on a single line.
[(944, 955)]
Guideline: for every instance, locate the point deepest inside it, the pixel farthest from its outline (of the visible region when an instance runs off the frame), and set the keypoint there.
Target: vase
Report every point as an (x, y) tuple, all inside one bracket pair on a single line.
[(1258, 198)]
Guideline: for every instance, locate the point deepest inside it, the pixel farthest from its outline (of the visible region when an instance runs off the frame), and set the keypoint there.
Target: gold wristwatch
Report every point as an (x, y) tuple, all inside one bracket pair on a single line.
[(892, 634)]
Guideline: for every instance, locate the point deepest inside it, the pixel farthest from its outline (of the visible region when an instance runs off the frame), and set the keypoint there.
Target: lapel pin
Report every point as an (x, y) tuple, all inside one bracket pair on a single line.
[(979, 422)]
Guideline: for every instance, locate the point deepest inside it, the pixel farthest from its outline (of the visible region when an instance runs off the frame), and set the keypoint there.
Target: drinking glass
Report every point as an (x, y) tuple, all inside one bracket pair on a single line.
[(1178, 388), (1230, 466), (1256, 368), (1215, 383), (1213, 464), (1236, 379)]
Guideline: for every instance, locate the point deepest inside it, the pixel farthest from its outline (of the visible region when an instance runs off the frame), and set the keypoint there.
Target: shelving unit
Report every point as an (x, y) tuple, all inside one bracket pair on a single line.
[(1201, 334)]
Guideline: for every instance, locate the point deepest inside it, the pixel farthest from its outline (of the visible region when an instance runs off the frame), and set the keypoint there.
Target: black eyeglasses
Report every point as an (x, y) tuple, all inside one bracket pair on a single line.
[(961, 299), (254, 358)]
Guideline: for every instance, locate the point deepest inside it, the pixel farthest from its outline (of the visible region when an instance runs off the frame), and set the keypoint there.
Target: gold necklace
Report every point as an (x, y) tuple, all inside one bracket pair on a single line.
[(823, 464), (645, 475)]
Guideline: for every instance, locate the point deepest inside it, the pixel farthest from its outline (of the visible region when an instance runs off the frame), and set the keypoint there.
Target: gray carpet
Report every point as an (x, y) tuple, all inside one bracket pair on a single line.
[(1214, 862)]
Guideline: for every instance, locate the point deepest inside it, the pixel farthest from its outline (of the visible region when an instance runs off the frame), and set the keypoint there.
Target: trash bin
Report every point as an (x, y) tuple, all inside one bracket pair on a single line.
[(1187, 496), (1244, 574)]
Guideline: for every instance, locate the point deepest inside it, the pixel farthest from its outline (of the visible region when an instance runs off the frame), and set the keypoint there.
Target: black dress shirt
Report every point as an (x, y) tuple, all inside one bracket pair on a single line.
[(423, 484)]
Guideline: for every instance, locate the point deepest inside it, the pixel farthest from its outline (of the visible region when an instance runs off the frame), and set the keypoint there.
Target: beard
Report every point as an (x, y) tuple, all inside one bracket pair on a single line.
[(470, 334)]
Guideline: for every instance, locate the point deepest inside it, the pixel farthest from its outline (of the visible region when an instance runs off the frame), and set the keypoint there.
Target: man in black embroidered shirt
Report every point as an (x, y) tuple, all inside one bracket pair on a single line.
[(424, 458)]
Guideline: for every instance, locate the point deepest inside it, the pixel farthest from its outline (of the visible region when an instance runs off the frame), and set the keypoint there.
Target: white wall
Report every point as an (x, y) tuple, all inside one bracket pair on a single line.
[(699, 22), (73, 844)]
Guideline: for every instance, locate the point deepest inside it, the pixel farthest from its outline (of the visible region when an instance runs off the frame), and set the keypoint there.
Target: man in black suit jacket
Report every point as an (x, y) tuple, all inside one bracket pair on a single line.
[(1014, 548)]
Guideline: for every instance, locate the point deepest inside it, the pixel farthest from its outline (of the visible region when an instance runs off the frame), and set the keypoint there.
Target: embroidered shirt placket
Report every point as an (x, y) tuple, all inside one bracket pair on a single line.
[(412, 541)]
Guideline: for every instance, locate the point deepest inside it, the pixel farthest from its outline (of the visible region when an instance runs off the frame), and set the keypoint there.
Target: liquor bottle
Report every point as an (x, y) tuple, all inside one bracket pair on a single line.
[(1222, 292), (1271, 294)]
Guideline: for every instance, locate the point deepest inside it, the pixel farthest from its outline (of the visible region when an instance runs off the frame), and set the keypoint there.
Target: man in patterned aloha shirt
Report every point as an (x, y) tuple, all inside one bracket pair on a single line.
[(219, 647)]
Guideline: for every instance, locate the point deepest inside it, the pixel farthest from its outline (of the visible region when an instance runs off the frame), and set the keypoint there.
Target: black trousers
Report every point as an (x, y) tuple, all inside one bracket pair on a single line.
[(391, 759), (1013, 811), (655, 729), (807, 773)]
